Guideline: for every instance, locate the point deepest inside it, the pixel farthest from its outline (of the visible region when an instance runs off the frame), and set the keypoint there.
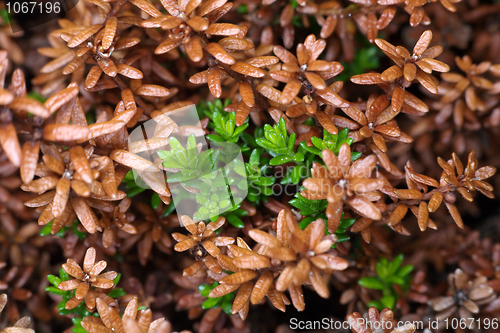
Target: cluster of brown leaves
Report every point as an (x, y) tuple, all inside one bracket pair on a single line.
[(378, 322), (284, 261), (89, 283), (21, 325), (465, 296), (409, 67), (421, 201), (468, 104), (132, 320)]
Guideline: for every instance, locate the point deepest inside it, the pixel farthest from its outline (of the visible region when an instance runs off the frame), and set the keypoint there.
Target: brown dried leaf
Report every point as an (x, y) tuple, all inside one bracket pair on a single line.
[(85, 214), (63, 132), (455, 214), (397, 215), (84, 35), (246, 94), (435, 201), (152, 90), (109, 32), (10, 143), (261, 287), (167, 45), (224, 289), (81, 163), (269, 92), (367, 78), (291, 90), (326, 122), (219, 53), (364, 207), (147, 7), (198, 23), (55, 101), (128, 71), (246, 69), (223, 29), (422, 43), (194, 49)]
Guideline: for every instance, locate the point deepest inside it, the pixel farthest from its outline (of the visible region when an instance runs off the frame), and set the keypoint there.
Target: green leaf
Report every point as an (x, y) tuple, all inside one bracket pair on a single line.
[(248, 139), (405, 270), (163, 154), (255, 157), (312, 150), (78, 329), (235, 221), (296, 175), (215, 138), (55, 290), (306, 221), (176, 146), (388, 301), (63, 275), (192, 152), (298, 157), (61, 305), (318, 143), (282, 127), (117, 278), (155, 200), (227, 307), (172, 163), (134, 191), (291, 142), (240, 129), (376, 304), (342, 136), (116, 293), (287, 179), (342, 238), (395, 279), (240, 212), (181, 157), (222, 133), (170, 208), (280, 159), (300, 204), (46, 229), (205, 289), (371, 283), (230, 127), (267, 191), (355, 155), (346, 223), (5, 16), (265, 144), (381, 270), (210, 303), (384, 262), (264, 181), (242, 9), (394, 265)]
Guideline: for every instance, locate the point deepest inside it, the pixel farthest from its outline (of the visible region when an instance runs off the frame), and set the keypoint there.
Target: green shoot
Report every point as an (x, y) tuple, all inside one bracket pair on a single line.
[(389, 273), (226, 301)]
